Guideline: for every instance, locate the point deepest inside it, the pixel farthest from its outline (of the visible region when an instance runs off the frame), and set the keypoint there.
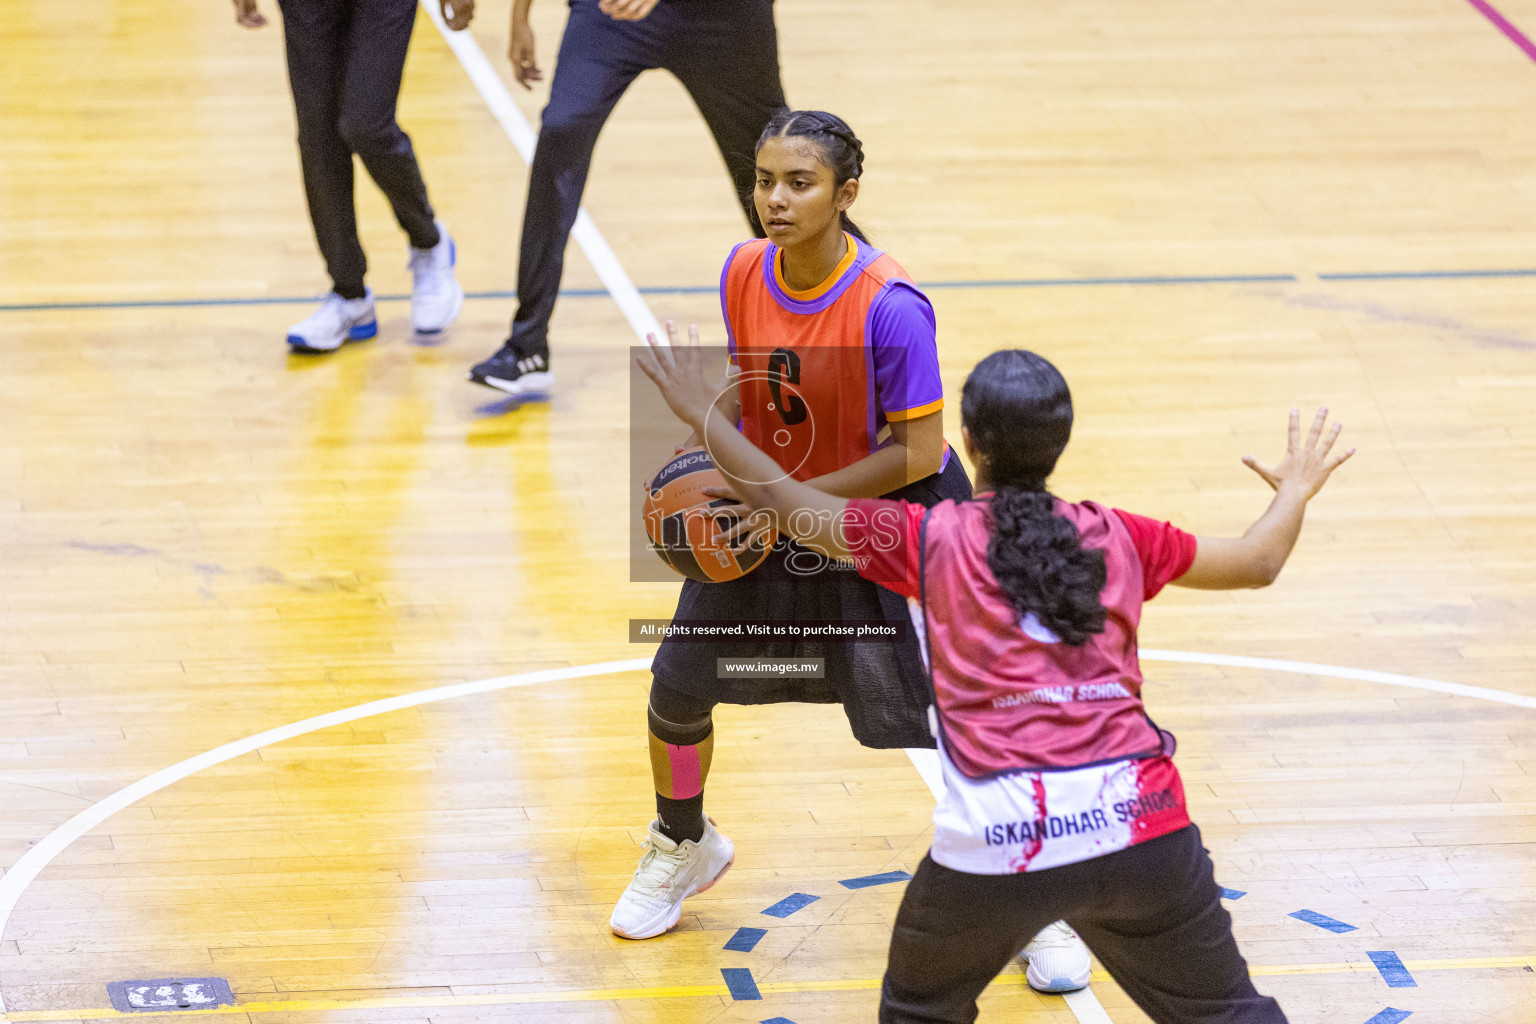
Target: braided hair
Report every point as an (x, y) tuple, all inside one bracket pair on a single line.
[(1018, 411), (840, 149)]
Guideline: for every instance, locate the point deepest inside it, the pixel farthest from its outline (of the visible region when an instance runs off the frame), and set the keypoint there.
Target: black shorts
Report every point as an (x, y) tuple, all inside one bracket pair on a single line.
[(882, 685)]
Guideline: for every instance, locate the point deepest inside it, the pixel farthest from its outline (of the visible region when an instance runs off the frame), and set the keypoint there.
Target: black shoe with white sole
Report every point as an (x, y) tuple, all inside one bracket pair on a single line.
[(514, 372)]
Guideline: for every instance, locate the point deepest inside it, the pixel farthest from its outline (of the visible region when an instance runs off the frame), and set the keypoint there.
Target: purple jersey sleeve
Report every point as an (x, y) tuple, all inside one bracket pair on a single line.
[(905, 351)]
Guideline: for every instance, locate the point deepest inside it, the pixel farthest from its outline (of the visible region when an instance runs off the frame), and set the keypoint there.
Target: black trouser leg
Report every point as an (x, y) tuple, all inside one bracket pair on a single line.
[(954, 933), (377, 40), (345, 59), (1167, 939), (314, 32), (728, 59), (598, 59)]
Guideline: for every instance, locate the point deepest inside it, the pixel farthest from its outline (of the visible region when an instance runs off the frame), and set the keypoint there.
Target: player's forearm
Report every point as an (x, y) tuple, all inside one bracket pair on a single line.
[(729, 406), (762, 483), (756, 478), (520, 11), (1273, 535), (881, 472), (1254, 559)]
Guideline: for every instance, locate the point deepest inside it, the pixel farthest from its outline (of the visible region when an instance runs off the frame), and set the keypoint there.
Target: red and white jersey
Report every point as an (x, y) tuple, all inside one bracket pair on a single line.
[(1048, 755), (1033, 820)]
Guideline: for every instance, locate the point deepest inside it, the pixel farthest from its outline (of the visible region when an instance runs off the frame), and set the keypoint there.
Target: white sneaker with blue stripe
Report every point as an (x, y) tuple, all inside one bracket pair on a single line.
[(436, 295), (335, 323)]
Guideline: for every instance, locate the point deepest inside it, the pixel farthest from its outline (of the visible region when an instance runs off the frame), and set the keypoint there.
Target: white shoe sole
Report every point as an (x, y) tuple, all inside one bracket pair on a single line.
[(670, 921), (358, 332), (458, 307), (529, 383), (1057, 985)]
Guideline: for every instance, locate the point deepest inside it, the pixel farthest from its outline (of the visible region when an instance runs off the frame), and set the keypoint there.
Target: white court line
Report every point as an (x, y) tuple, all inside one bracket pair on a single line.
[(1364, 675), (641, 320), (31, 864)]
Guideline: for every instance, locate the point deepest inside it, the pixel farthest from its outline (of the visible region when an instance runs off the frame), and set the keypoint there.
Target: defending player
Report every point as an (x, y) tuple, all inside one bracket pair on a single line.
[(1062, 799)]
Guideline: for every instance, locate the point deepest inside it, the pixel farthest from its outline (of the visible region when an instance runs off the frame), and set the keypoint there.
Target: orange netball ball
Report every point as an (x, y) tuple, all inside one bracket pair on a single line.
[(679, 522)]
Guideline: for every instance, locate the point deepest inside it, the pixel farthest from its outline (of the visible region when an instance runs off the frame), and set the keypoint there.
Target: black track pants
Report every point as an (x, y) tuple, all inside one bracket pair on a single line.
[(345, 60), (726, 54), (1152, 914)]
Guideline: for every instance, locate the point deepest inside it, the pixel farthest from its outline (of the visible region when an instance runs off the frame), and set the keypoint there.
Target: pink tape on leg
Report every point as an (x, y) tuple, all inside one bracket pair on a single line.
[(687, 779)]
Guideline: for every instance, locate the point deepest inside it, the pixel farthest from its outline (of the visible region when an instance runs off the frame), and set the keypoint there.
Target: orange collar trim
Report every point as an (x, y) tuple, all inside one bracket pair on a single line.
[(816, 292)]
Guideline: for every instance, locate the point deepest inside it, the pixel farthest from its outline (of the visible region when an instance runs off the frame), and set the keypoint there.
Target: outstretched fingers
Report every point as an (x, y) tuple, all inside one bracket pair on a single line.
[(661, 352), (651, 368), (1316, 432), (1323, 449), (1266, 473)]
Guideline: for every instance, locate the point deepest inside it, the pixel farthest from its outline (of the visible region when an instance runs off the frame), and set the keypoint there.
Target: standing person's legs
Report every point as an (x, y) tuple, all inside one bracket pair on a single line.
[(377, 39), (598, 59), (955, 932), (727, 56), (314, 33), (1158, 926)]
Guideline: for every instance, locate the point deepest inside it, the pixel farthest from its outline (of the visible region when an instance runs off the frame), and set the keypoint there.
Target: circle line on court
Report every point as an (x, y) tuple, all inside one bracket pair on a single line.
[(31, 864)]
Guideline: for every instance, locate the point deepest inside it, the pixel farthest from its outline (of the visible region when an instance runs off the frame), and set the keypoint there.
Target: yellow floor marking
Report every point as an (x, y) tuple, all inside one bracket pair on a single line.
[(1010, 980)]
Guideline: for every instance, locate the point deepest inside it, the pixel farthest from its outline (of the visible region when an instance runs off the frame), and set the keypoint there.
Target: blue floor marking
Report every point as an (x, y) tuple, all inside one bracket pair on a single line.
[(1322, 921), (777, 1020), (739, 981), (1069, 282), (1390, 1016), (1422, 275), (1232, 894), (595, 293), (869, 880), (745, 939), (789, 904), (1392, 970)]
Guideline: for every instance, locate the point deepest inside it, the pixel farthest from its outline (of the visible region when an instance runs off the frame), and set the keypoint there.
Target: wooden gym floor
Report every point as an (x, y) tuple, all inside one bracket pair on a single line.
[(202, 537)]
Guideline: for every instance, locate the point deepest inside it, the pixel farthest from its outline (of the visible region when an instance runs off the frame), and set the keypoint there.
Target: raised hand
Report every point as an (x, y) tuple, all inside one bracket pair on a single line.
[(1305, 467), (678, 373)]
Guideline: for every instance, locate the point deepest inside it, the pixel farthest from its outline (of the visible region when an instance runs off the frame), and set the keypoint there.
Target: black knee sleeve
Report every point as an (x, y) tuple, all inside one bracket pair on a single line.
[(678, 718)]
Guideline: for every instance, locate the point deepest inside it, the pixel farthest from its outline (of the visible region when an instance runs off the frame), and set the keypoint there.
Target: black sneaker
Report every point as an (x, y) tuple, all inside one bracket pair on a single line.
[(511, 371)]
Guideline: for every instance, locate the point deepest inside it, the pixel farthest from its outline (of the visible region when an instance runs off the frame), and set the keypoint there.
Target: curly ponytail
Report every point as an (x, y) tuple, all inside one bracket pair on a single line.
[(841, 150), (1018, 411)]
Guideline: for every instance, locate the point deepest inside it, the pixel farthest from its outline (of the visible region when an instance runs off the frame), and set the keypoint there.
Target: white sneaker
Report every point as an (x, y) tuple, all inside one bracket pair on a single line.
[(336, 322), (668, 874), (1058, 960), (436, 297)]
